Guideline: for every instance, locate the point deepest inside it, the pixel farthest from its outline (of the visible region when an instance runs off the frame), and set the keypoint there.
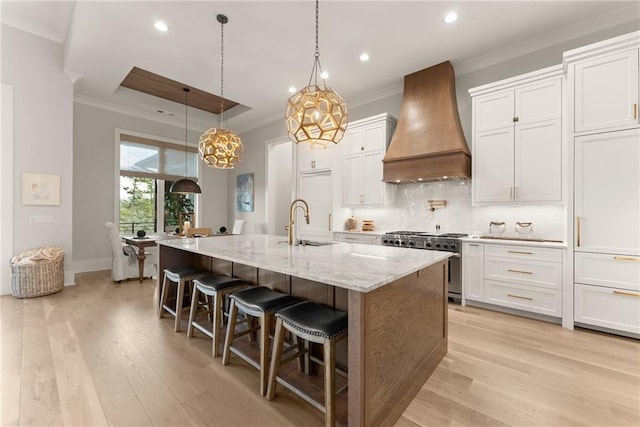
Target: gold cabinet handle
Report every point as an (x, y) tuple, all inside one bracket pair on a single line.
[(520, 271), (578, 236), (627, 258), (629, 294), (351, 238), (515, 119), (520, 252), (520, 297), (635, 111), (330, 222)]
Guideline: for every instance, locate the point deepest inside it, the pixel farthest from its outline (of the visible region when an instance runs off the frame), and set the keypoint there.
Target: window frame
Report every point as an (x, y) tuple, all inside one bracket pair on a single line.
[(160, 193)]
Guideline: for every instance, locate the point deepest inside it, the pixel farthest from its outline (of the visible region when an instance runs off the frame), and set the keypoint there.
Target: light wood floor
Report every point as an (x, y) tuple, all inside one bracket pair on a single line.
[(95, 354)]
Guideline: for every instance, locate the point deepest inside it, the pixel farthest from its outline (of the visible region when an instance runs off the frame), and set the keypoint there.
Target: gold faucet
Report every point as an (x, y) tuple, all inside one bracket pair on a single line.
[(292, 209)]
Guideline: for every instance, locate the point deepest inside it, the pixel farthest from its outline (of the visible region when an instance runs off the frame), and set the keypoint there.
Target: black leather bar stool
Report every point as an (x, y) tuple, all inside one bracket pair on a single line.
[(215, 286), (315, 323), (180, 276), (263, 303)]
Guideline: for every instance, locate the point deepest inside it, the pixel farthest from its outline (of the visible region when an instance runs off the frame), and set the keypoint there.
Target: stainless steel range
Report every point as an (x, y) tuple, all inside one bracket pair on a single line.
[(449, 242)]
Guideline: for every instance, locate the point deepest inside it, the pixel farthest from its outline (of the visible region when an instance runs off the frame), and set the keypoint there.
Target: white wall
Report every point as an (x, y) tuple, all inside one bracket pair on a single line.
[(43, 136), (6, 187), (94, 180)]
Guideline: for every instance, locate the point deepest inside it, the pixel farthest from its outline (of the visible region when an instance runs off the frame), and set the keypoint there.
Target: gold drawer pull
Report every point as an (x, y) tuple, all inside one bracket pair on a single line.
[(520, 271), (629, 294), (578, 231), (520, 252), (635, 111), (626, 258), (518, 296), (350, 238)]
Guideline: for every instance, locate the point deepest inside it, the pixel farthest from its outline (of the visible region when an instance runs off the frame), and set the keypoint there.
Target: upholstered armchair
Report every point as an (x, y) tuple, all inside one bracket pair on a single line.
[(126, 266)]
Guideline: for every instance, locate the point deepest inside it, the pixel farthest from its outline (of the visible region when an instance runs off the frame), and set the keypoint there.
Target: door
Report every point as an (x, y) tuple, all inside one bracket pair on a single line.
[(315, 189), (538, 162), (607, 193), (493, 173), (606, 92)]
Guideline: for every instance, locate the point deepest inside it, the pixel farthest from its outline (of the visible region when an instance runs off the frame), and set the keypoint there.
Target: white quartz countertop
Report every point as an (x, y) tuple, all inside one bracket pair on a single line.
[(514, 242), (356, 267)]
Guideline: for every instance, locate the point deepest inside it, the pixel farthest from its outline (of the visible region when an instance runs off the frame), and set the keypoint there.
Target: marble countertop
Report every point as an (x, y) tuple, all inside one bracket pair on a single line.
[(356, 267)]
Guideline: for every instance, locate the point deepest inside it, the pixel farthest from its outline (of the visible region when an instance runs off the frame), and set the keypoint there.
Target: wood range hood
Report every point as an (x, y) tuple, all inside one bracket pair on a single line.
[(428, 143)]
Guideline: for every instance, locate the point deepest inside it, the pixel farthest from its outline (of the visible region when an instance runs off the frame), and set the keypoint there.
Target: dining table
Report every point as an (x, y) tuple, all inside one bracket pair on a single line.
[(144, 242)]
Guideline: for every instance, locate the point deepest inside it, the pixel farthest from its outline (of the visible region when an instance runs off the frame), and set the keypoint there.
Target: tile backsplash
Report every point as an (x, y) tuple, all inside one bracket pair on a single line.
[(410, 211)]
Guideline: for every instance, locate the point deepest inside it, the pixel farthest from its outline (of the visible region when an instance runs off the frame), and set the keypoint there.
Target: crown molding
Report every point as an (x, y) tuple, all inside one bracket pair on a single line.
[(584, 28), (28, 26), (177, 120)]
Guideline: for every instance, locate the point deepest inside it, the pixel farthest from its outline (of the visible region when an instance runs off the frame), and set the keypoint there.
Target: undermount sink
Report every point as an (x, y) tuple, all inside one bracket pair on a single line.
[(313, 243)]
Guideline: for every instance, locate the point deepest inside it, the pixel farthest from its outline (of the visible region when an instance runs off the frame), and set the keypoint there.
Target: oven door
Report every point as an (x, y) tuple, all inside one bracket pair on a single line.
[(455, 276)]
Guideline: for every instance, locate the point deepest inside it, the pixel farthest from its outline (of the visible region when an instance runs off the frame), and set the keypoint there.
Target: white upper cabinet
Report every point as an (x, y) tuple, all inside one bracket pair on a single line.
[(310, 159), (607, 193), (517, 139), (364, 146), (606, 92)]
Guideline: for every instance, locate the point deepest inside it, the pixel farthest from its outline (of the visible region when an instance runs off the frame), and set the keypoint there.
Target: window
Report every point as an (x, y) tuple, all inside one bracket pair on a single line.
[(148, 168)]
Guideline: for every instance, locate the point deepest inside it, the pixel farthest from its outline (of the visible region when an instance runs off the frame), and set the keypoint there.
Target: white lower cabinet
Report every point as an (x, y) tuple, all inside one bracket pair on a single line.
[(611, 308), (615, 271), (363, 238), (519, 277)]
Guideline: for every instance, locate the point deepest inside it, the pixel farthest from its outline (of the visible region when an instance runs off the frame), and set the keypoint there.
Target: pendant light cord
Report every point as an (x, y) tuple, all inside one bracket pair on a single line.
[(316, 61), (186, 104), (221, 73)]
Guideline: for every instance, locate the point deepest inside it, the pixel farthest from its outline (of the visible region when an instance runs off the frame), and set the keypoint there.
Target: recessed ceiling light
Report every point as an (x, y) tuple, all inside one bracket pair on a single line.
[(292, 89), (364, 57), (451, 17), (324, 75), (161, 26)]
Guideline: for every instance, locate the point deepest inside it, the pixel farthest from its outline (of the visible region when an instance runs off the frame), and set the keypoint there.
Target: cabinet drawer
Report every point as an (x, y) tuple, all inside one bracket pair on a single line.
[(524, 252), (536, 300), (367, 239), (616, 271), (608, 308), (525, 272)]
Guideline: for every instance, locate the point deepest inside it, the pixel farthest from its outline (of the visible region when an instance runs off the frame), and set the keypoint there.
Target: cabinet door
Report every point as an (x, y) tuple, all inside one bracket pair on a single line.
[(607, 193), (372, 185), (352, 194), (315, 189), (538, 102), (305, 157), (373, 137), (352, 141), (606, 90), (322, 157), (472, 271), (493, 111), (538, 162), (493, 166)]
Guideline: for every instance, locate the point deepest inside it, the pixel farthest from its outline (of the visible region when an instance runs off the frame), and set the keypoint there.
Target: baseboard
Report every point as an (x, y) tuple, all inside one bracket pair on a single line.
[(95, 264)]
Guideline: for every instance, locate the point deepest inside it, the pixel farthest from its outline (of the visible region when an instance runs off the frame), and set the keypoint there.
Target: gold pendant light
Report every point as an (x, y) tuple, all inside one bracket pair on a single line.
[(185, 185), (219, 147), (316, 114)]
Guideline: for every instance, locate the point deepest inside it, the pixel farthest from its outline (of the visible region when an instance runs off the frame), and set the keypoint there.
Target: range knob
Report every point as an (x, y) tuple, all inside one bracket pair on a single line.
[(428, 244), (412, 243), (397, 242), (445, 246), (385, 241), (404, 243), (437, 245), (453, 246)]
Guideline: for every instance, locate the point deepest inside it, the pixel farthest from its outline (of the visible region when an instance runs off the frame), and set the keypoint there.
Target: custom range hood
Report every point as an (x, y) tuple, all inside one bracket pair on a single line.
[(428, 143)]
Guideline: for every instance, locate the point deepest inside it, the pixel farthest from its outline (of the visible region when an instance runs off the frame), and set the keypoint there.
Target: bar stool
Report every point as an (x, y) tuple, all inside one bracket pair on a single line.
[(260, 302), (216, 286), (315, 323), (180, 276)]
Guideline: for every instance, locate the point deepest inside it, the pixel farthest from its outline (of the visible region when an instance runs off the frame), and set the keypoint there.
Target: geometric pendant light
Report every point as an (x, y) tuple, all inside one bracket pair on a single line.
[(316, 114), (185, 185), (219, 147)]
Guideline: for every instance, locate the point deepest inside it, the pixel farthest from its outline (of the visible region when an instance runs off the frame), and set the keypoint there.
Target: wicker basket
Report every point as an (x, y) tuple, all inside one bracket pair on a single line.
[(34, 280)]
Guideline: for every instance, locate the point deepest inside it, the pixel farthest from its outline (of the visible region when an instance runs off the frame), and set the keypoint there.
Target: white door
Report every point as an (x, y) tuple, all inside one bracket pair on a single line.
[(372, 185), (606, 92), (607, 193), (493, 111), (538, 162), (493, 173), (352, 180), (315, 189)]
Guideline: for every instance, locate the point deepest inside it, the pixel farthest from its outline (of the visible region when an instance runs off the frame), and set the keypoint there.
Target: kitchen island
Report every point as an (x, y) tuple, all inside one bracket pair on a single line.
[(396, 300)]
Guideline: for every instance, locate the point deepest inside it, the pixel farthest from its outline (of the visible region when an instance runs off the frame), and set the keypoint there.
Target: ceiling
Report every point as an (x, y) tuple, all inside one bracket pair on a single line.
[(269, 45)]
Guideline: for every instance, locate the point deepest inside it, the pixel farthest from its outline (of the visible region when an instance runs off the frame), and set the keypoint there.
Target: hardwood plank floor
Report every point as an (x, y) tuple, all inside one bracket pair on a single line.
[(96, 354)]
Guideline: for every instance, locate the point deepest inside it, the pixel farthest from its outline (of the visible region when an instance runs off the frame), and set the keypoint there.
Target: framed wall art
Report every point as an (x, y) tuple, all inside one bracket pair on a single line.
[(244, 192), (40, 189)]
